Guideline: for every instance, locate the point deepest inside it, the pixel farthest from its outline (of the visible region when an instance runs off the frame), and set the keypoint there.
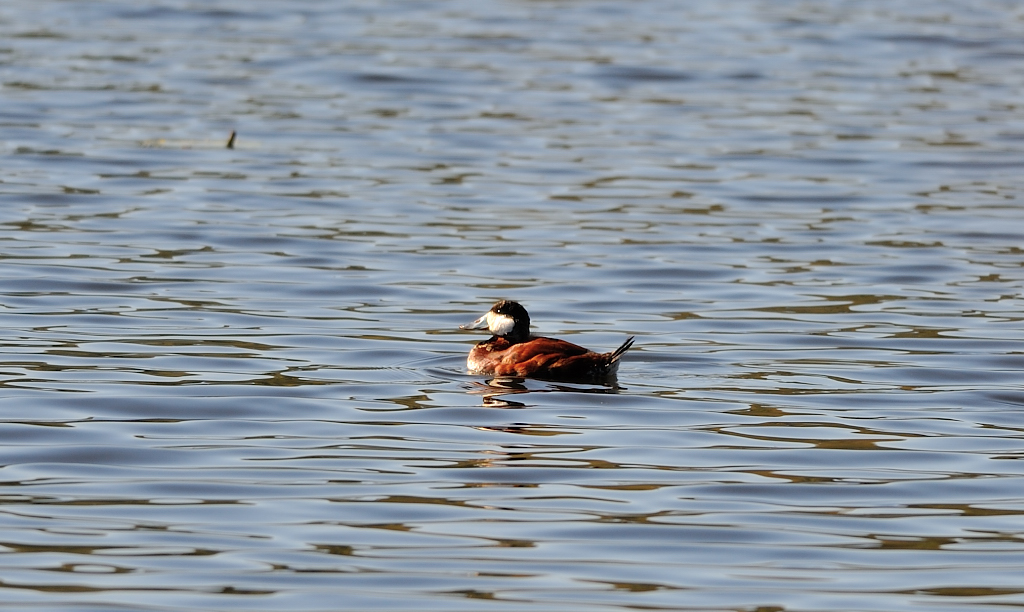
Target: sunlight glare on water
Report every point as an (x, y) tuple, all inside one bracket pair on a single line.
[(234, 379)]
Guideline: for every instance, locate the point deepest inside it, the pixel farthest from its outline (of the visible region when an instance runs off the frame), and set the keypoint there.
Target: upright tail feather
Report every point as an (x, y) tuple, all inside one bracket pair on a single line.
[(619, 352)]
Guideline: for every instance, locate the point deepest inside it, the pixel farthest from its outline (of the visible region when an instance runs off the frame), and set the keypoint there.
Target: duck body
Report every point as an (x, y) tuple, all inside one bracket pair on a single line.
[(513, 351)]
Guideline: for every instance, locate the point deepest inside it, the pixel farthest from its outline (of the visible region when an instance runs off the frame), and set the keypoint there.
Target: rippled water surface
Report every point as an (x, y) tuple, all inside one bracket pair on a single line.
[(233, 379)]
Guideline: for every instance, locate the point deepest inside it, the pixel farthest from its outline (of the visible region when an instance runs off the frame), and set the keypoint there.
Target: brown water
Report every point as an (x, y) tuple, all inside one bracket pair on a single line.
[(234, 380)]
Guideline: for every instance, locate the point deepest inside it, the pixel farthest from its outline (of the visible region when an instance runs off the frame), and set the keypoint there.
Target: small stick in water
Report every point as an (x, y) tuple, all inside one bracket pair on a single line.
[(231, 141)]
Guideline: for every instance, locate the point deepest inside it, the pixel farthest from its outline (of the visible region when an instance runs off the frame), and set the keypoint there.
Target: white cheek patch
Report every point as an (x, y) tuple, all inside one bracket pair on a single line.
[(500, 324)]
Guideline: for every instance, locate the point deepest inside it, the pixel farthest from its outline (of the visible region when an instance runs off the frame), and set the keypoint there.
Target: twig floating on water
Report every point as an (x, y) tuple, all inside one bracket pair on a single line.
[(231, 141)]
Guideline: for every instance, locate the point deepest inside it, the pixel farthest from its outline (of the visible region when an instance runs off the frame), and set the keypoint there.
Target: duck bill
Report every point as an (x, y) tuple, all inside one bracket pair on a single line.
[(480, 323)]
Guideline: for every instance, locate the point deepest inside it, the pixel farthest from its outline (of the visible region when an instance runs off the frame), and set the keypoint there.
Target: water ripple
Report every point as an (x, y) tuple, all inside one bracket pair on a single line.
[(234, 377)]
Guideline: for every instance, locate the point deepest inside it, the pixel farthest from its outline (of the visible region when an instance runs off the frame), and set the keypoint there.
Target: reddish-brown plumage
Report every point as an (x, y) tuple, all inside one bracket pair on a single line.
[(512, 351)]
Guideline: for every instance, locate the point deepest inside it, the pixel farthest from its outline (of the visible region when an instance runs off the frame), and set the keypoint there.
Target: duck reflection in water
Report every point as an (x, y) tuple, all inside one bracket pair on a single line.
[(494, 390), (512, 351)]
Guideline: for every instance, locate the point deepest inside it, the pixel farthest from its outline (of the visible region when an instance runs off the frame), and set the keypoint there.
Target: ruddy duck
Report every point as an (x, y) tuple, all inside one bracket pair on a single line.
[(513, 351)]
